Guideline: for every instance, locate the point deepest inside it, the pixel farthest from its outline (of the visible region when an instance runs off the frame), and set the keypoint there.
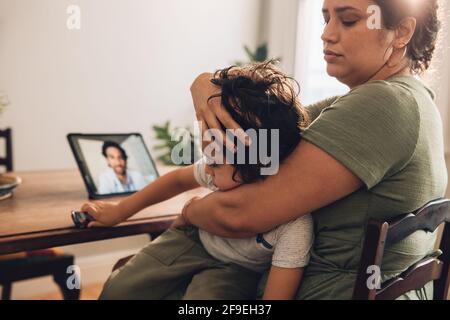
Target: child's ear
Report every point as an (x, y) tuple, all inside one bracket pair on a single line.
[(237, 177)]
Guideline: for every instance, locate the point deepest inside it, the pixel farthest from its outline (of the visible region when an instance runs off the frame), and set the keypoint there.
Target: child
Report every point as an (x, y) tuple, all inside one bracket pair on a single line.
[(188, 263)]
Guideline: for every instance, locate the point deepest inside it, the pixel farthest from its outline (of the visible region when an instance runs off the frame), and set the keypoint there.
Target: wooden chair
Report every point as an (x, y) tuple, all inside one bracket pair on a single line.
[(36, 264), (384, 234), (27, 265)]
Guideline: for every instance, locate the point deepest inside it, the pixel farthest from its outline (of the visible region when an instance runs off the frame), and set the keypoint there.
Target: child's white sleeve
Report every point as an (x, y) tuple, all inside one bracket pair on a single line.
[(294, 242)]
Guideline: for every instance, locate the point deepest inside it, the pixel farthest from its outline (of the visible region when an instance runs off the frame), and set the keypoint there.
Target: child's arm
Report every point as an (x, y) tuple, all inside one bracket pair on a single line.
[(165, 187), (282, 283), (291, 254)]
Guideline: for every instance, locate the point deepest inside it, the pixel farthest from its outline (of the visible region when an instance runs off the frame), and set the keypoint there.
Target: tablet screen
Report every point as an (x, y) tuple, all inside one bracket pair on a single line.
[(113, 164)]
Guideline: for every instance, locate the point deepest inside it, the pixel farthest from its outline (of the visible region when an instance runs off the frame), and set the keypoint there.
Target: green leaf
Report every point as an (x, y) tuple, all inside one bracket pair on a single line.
[(163, 134), (250, 54), (160, 147), (261, 53)]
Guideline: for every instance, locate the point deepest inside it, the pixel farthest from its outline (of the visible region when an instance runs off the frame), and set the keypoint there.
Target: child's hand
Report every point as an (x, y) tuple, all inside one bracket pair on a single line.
[(106, 214)]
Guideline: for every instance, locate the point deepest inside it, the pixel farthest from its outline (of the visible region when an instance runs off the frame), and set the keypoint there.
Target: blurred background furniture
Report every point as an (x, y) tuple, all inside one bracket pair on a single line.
[(7, 160), (384, 234), (32, 264)]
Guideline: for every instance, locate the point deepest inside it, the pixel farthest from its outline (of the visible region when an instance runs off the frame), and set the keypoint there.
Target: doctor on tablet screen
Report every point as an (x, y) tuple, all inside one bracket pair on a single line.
[(117, 179)]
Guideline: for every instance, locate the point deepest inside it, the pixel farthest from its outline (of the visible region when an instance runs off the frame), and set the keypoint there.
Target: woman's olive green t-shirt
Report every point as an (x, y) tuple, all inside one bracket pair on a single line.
[(389, 134)]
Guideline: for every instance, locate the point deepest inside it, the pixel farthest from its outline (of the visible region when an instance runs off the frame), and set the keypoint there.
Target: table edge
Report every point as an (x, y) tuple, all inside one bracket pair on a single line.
[(68, 236)]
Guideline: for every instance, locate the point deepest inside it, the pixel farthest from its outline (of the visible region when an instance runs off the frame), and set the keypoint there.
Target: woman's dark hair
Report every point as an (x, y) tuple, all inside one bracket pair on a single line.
[(112, 144), (423, 43), (260, 96)]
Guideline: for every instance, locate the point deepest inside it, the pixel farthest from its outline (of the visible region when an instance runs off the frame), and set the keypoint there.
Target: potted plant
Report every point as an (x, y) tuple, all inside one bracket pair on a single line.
[(260, 54), (169, 140)]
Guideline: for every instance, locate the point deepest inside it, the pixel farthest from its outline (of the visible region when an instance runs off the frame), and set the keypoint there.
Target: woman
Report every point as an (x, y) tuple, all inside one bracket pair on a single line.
[(376, 152)]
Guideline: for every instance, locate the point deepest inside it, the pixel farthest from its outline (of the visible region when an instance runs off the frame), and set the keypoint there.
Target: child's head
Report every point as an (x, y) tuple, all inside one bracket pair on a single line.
[(258, 96)]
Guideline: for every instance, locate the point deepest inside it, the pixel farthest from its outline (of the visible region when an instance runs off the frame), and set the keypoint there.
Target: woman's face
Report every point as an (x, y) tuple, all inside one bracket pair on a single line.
[(353, 51)]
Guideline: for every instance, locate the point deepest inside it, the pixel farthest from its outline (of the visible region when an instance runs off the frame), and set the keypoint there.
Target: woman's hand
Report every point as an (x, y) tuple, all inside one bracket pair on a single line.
[(106, 214), (211, 113)]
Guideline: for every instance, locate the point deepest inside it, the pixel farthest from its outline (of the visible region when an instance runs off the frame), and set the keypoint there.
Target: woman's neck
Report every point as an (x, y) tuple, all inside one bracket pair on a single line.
[(386, 72)]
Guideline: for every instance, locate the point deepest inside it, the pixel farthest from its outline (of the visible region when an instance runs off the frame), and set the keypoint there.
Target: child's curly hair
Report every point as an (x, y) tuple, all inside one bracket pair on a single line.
[(260, 96)]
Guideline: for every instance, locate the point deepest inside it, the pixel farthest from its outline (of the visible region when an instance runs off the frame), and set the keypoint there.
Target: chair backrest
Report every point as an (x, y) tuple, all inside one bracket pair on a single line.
[(382, 234), (7, 161)]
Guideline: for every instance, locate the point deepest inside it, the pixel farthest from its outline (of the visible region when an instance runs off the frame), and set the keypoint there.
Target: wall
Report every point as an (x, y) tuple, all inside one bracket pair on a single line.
[(130, 66), (280, 31)]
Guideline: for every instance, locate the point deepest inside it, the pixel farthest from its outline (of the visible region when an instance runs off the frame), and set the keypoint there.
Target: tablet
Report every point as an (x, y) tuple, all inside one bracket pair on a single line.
[(112, 164)]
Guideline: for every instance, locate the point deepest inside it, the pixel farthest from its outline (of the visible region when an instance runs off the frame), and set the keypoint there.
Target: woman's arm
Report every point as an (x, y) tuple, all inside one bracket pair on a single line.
[(165, 187), (282, 283), (308, 180)]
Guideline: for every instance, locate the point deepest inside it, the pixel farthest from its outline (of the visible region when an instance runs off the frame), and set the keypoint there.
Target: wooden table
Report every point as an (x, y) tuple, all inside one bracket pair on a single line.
[(38, 215)]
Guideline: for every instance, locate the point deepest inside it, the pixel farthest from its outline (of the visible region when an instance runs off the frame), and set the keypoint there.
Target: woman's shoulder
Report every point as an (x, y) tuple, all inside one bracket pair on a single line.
[(382, 98), (383, 90), (372, 130)]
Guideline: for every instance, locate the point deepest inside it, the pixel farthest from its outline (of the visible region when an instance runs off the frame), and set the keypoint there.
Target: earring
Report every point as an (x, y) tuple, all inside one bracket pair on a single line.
[(400, 60)]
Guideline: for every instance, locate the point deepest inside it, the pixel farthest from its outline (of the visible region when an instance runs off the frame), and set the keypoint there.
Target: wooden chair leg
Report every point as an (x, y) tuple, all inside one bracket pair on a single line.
[(6, 291), (68, 294)]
